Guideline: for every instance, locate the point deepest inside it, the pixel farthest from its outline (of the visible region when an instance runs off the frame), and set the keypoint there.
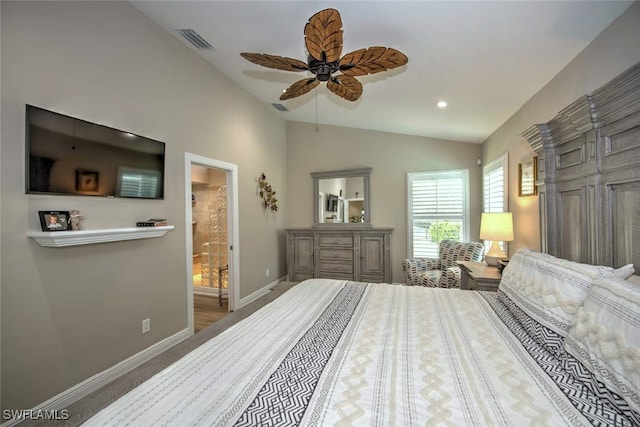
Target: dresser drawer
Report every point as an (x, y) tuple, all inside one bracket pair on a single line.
[(341, 254), (336, 276), (338, 267), (333, 241)]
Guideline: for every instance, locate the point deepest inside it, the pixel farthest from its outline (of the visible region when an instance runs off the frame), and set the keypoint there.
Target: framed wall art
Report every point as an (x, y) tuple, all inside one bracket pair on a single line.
[(54, 220), (527, 176), (87, 180)]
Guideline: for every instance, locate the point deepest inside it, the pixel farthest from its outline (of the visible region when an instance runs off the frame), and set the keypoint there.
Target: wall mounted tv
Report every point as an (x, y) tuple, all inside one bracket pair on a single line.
[(65, 155)]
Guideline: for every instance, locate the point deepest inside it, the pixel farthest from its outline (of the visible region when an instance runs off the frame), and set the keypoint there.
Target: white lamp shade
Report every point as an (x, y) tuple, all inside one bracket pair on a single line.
[(497, 227)]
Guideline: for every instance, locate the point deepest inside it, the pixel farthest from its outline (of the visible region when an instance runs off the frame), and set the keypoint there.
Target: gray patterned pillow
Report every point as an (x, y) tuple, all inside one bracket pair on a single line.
[(605, 338)]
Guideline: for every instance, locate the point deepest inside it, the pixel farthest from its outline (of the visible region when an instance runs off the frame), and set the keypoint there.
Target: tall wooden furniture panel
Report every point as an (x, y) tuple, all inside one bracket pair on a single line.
[(343, 253), (372, 258), (301, 255), (589, 176), (621, 189)]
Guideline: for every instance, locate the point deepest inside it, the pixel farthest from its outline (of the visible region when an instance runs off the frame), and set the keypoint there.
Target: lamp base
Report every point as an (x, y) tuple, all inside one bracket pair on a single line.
[(494, 254), (493, 261)]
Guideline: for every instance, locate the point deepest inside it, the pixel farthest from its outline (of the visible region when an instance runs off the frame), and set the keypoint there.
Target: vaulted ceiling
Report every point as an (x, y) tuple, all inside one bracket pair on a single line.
[(485, 58)]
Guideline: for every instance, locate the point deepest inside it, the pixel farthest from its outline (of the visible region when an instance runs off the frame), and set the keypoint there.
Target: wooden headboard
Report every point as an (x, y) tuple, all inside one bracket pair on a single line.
[(589, 176)]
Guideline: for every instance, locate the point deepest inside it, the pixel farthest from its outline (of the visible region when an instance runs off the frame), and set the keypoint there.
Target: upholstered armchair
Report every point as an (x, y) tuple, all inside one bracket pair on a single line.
[(442, 272)]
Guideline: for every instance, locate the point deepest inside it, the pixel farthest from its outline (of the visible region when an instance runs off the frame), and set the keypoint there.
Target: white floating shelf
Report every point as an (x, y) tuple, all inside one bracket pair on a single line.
[(59, 239)]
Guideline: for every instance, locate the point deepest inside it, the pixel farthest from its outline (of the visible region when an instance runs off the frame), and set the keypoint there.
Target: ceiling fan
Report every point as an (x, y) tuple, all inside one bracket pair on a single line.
[(323, 38)]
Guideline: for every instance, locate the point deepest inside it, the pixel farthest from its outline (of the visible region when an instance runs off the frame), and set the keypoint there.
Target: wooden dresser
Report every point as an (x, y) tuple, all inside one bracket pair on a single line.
[(349, 253)]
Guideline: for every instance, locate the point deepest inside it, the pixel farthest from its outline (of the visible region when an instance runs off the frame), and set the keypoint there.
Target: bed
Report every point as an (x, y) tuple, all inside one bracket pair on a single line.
[(331, 352)]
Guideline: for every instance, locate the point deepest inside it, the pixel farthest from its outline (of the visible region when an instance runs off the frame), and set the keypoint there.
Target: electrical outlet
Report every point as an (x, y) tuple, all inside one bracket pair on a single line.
[(146, 325), (267, 273)]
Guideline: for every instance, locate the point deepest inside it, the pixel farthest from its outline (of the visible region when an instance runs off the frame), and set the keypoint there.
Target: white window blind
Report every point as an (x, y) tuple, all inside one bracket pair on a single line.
[(437, 210), (494, 185), (141, 183)]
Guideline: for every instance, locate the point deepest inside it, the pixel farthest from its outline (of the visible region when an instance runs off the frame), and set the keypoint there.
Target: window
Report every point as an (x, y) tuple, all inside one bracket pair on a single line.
[(142, 183), (437, 210), (494, 184)]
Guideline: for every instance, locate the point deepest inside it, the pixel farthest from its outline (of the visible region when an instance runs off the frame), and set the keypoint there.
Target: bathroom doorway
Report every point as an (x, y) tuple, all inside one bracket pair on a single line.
[(212, 266)]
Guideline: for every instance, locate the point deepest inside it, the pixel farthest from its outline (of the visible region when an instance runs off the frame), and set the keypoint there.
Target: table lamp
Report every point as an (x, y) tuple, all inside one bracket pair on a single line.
[(497, 227)]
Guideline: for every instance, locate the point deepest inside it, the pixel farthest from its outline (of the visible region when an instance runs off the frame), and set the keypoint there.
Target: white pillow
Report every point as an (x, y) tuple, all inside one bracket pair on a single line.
[(547, 293), (624, 272), (634, 279)]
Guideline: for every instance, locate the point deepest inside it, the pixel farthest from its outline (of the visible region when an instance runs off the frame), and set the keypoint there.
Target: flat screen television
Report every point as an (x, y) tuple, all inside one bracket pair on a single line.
[(66, 155)]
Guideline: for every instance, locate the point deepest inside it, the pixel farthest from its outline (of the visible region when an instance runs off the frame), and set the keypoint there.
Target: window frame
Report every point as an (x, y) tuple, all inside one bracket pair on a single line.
[(500, 162), (410, 177)]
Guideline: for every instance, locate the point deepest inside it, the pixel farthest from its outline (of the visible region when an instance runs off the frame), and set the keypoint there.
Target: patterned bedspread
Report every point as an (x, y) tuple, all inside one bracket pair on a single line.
[(332, 352)]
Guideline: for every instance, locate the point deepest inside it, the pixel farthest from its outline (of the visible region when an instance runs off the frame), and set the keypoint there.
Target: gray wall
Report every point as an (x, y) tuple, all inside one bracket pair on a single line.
[(611, 53), (391, 156), (69, 313)]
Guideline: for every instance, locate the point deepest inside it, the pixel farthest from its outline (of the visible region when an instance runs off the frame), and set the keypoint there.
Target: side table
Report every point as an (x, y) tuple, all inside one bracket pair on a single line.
[(478, 276)]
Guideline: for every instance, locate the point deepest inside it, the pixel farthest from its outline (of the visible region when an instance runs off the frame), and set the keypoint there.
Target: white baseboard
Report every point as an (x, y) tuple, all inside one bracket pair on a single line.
[(103, 378), (260, 292)]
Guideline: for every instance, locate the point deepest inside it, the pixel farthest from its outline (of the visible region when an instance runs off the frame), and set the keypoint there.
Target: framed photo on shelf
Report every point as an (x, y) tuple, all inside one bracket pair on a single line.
[(54, 220), (527, 177), (87, 180)]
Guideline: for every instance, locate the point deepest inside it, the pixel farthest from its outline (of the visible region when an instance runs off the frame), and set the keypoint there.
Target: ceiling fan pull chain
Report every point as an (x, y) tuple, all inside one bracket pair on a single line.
[(317, 129)]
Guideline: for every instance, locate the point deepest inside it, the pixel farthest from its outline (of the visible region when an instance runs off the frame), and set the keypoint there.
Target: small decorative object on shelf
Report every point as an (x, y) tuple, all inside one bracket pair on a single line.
[(76, 220), (54, 220), (152, 222), (267, 194)]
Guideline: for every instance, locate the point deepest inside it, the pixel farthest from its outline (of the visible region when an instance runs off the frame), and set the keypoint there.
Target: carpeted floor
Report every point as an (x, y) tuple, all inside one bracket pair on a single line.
[(83, 409)]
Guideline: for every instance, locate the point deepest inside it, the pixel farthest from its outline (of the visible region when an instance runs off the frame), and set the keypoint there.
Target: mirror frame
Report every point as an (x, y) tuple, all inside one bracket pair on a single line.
[(347, 173)]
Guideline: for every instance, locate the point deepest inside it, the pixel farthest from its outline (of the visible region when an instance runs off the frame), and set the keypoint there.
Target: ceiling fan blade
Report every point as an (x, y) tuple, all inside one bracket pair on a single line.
[(277, 62), (299, 88), (323, 35), (372, 60), (346, 87)]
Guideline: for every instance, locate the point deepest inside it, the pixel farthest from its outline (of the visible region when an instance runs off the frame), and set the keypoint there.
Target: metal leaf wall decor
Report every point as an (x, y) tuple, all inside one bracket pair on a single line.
[(267, 194)]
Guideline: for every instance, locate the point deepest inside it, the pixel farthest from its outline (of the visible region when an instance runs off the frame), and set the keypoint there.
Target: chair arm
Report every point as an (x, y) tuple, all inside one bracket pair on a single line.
[(411, 266), (450, 278)]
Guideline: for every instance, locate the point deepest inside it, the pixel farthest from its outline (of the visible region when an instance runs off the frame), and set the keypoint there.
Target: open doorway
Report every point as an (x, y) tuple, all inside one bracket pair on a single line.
[(209, 228), (211, 262)]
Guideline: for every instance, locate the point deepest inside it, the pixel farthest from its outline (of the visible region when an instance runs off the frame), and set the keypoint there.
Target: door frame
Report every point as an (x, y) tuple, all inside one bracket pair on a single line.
[(232, 229)]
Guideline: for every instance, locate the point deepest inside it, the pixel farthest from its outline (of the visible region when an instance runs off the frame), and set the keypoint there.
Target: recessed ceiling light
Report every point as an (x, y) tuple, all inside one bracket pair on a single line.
[(441, 104)]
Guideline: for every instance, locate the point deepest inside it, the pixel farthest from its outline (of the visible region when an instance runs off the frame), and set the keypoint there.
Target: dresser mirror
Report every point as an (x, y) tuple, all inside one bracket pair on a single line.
[(342, 198)]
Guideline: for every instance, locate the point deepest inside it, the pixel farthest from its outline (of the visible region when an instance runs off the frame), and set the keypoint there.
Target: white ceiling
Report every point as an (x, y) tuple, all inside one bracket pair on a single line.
[(486, 59)]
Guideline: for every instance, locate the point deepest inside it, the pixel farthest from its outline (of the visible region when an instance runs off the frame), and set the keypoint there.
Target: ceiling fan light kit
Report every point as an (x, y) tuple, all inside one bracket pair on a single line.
[(323, 39)]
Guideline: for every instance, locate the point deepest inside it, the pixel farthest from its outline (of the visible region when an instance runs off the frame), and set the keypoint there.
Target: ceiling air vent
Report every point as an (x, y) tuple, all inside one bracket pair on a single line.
[(195, 39), (280, 107)]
